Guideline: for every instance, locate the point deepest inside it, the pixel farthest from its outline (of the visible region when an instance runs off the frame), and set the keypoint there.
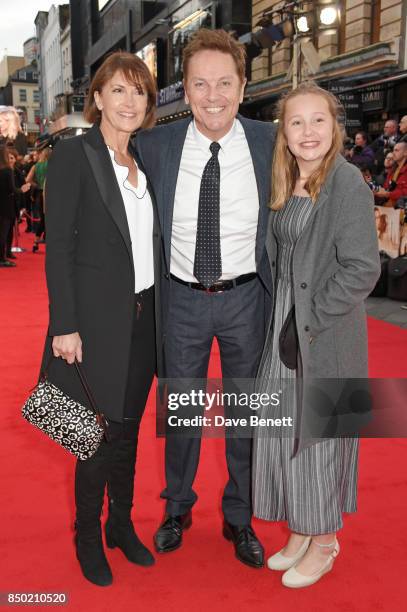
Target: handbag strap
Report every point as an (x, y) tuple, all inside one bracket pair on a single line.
[(101, 419)]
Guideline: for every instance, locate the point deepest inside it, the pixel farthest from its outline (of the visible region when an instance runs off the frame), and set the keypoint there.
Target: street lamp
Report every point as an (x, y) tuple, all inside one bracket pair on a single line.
[(328, 15), (294, 19), (302, 24)]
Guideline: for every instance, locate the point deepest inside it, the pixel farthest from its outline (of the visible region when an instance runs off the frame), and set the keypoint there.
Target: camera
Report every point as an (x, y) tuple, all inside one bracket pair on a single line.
[(373, 186)]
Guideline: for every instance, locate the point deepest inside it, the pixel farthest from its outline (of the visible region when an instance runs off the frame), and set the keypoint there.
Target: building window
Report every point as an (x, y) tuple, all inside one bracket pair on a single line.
[(180, 35), (342, 28), (375, 29), (23, 95), (36, 95)]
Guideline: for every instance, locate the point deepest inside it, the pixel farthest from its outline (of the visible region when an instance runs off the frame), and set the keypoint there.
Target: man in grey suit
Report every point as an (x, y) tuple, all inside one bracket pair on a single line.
[(211, 178)]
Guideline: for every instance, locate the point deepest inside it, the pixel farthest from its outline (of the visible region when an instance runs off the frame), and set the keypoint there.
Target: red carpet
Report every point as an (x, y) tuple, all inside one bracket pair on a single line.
[(37, 510)]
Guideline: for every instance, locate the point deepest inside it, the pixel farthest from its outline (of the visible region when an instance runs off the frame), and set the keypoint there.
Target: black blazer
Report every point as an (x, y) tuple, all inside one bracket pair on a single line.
[(8, 193), (90, 271)]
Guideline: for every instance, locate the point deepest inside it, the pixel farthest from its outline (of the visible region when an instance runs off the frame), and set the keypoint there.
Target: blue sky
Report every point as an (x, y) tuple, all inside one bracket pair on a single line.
[(17, 22)]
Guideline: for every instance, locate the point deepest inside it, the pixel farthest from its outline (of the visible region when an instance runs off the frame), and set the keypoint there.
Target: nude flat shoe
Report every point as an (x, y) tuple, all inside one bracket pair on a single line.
[(281, 562), (295, 580)]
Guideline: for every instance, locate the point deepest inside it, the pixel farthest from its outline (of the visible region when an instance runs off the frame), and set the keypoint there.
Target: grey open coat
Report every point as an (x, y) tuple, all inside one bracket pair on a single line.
[(335, 266)]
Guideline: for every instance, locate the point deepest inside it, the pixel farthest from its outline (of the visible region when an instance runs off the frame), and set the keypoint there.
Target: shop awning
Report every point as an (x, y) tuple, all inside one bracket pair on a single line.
[(171, 110)]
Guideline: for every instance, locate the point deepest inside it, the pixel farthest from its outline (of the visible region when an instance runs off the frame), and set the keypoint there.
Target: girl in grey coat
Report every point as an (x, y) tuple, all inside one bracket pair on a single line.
[(323, 251)]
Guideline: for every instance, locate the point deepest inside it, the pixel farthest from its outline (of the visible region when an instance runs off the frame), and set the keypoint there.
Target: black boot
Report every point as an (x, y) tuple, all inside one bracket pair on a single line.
[(119, 527), (90, 482)]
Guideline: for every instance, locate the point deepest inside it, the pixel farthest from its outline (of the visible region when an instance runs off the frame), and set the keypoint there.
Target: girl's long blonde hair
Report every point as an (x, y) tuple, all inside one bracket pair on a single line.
[(285, 168)]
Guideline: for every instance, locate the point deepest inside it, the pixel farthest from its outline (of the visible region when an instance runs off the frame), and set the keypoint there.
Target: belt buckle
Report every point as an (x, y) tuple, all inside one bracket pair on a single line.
[(213, 289)]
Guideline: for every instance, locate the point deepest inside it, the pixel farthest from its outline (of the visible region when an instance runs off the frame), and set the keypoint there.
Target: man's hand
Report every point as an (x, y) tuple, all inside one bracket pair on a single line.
[(68, 347)]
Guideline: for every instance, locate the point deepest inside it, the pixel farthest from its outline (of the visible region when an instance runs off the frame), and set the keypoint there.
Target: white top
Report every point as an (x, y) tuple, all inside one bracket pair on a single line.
[(239, 204), (140, 219)]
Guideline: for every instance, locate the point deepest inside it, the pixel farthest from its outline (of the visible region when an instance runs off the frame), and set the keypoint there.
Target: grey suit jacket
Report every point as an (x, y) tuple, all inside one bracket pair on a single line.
[(160, 151)]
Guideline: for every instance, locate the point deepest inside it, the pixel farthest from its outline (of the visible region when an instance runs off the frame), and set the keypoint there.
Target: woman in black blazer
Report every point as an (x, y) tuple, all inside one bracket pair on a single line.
[(103, 252)]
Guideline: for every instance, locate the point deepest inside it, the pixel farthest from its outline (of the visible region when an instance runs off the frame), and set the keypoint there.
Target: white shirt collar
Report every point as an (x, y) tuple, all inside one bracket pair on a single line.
[(203, 142), (123, 173)]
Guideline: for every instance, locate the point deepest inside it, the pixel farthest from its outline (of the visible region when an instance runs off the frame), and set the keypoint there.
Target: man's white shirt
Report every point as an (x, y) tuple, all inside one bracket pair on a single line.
[(239, 204)]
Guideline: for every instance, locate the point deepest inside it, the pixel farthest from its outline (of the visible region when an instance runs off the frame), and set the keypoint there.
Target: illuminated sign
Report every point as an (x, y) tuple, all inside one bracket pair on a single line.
[(170, 94), (149, 56)]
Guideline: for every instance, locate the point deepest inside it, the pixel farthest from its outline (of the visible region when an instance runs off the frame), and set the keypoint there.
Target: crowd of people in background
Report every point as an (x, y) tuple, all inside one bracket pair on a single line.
[(22, 179), (382, 161)]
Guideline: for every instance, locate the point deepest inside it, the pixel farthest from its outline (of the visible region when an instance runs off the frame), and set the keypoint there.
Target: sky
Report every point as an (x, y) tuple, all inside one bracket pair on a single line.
[(17, 22)]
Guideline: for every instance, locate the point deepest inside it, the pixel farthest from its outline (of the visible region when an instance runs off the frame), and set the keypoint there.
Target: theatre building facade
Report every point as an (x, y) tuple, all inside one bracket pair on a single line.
[(363, 58), (360, 54)]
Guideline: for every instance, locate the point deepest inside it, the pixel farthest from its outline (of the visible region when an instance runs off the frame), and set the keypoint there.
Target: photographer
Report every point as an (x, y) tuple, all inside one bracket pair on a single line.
[(369, 179), (389, 167), (403, 129), (384, 144), (361, 154), (395, 185)]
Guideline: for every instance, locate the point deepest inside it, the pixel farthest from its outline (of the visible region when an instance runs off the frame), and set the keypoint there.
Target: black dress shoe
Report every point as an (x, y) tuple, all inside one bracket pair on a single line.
[(169, 535), (124, 537), (247, 547), (7, 264)]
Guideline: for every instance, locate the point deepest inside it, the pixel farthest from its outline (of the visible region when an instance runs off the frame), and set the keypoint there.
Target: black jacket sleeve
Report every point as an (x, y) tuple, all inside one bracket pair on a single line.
[(62, 199)]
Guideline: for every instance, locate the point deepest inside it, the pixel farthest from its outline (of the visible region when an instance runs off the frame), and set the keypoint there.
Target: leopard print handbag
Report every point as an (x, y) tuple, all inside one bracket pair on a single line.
[(78, 429)]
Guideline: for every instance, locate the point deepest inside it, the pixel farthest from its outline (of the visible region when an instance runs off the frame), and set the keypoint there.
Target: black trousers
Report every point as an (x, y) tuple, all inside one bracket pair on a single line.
[(5, 225), (27, 204), (142, 365), (114, 461), (39, 212)]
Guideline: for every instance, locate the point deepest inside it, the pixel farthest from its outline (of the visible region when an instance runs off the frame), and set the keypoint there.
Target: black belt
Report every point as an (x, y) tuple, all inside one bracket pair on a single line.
[(221, 285)]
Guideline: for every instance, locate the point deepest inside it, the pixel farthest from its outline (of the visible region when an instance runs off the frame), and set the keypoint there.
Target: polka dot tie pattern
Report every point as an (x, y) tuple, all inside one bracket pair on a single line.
[(208, 263)]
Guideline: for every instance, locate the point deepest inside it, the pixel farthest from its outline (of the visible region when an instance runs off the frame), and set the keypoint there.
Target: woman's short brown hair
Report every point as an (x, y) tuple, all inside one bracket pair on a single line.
[(215, 40), (135, 71)]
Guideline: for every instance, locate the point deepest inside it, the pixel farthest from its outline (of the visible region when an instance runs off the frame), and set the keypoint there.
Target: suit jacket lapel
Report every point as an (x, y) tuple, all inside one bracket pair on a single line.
[(101, 164), (262, 171), (157, 225), (170, 181), (150, 189)]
